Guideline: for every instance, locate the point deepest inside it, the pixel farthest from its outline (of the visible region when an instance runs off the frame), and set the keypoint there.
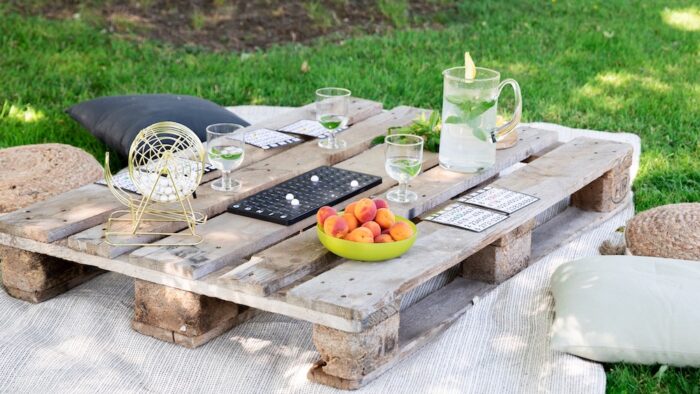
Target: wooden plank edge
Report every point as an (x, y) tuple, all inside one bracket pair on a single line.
[(568, 225), (442, 308), (122, 266)]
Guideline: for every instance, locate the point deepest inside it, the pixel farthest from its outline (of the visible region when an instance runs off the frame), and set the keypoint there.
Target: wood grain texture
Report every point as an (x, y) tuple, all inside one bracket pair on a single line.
[(90, 205), (62, 215), (254, 178), (502, 259), (419, 324), (181, 312), (36, 277), (229, 237), (552, 177), (273, 269), (352, 356), (607, 192), (439, 185)]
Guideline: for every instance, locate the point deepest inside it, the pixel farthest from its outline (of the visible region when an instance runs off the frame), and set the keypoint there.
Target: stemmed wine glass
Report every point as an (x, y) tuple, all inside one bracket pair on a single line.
[(225, 151), (404, 158), (332, 113)]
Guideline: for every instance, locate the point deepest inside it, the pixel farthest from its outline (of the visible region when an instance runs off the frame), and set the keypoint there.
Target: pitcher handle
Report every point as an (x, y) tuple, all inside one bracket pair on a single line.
[(501, 132)]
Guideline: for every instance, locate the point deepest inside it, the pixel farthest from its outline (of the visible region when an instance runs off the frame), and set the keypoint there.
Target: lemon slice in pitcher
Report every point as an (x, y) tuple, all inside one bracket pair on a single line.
[(469, 67)]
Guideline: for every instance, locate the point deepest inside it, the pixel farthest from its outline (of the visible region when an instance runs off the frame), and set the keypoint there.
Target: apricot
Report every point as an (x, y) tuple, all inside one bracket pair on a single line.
[(380, 203), (400, 231), (365, 210), (385, 218), (351, 207), (383, 238), (351, 219), (323, 214), (374, 227), (336, 226), (361, 234)]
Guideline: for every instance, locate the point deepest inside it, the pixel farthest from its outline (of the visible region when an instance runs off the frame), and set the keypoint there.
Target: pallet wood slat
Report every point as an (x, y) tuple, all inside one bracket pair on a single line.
[(229, 237), (188, 295), (273, 269), (419, 324), (255, 177), (551, 178), (90, 205)]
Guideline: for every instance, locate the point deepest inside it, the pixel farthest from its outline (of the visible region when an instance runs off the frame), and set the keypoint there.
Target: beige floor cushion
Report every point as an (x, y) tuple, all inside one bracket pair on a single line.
[(643, 310), (32, 173), (671, 231)]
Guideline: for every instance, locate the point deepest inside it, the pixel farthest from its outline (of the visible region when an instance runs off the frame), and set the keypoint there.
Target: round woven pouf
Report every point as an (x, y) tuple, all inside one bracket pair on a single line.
[(671, 231), (33, 173)]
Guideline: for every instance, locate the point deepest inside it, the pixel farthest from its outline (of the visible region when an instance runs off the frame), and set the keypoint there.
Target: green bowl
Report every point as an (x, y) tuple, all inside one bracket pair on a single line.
[(361, 251)]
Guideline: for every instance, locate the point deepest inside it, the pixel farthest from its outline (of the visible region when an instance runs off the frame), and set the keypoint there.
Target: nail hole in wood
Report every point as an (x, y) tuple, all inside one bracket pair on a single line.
[(351, 279), (63, 210), (322, 282), (343, 296), (251, 274), (65, 221), (28, 218), (218, 247), (423, 195), (369, 294), (27, 211)]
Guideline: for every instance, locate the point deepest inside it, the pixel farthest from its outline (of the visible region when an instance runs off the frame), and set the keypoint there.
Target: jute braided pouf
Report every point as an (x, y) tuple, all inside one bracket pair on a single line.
[(33, 173), (671, 231)]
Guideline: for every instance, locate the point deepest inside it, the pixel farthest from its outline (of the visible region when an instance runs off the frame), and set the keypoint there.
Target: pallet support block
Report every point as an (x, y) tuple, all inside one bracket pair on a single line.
[(607, 192), (182, 317), (36, 277), (348, 358), (501, 259)]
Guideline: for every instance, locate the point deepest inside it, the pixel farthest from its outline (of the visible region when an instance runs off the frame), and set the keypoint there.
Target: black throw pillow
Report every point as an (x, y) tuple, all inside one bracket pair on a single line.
[(116, 120)]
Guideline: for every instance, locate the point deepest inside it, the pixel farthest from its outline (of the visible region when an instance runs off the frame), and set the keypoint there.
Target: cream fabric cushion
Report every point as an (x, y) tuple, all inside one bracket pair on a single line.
[(643, 310)]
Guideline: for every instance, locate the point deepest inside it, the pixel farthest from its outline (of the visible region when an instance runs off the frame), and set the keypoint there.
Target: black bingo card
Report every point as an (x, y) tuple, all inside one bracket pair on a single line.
[(502, 200), (466, 217)]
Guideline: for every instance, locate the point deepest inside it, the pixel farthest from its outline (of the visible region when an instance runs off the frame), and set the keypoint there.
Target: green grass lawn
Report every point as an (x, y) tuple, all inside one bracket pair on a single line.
[(606, 65)]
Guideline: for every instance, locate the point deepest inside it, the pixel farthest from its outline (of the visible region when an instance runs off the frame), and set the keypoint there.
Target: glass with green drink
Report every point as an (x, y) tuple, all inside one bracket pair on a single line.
[(332, 113), (225, 151)]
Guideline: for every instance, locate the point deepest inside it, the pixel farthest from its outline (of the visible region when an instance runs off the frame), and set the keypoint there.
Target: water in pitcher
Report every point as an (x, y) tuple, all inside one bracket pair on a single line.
[(468, 117)]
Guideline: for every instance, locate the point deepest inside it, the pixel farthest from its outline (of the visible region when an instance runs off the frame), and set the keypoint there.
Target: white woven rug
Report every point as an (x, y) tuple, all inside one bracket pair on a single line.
[(81, 342)]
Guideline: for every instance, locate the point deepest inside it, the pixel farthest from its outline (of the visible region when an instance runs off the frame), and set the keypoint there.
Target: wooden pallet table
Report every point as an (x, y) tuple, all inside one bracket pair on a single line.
[(366, 316)]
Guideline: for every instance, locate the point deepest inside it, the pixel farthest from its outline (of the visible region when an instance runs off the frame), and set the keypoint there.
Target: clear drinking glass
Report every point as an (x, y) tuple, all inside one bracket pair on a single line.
[(225, 151), (332, 113), (404, 158)]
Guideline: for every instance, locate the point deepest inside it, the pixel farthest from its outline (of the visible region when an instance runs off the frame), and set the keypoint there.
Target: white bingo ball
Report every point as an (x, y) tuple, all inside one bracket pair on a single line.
[(354, 183), (289, 197), (295, 202), (314, 178)]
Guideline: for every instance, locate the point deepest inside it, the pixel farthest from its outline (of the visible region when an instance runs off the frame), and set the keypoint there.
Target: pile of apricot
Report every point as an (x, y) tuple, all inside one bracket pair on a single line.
[(366, 220)]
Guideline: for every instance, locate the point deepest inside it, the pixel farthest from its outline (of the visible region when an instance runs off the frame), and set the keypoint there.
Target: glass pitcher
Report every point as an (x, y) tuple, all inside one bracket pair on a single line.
[(469, 134)]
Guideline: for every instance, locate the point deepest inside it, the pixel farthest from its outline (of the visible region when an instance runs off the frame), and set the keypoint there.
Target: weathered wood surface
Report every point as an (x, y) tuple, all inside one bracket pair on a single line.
[(255, 177), (90, 205), (502, 259), (273, 268), (552, 177), (454, 239), (38, 277), (62, 215), (569, 225), (419, 324), (439, 185), (229, 237), (179, 316)]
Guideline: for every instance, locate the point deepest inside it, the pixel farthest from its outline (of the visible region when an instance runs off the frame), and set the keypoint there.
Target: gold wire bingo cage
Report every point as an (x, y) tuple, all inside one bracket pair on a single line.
[(166, 163)]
